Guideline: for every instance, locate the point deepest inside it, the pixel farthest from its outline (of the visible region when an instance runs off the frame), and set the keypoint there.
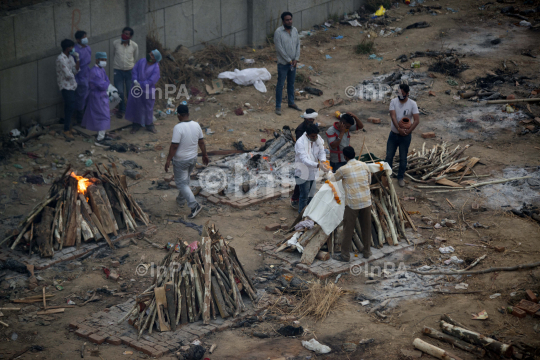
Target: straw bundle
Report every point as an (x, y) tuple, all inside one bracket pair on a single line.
[(318, 300)]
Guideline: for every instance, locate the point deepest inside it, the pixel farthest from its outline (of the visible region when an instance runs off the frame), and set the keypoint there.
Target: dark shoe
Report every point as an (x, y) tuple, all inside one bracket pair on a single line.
[(135, 128), (278, 111), (401, 182), (195, 211), (152, 129), (119, 115), (295, 107), (68, 135), (294, 204), (339, 258)]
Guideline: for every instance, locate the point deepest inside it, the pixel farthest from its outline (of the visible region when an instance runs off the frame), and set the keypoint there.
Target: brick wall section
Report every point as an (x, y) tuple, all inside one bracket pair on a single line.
[(324, 269), (102, 327)]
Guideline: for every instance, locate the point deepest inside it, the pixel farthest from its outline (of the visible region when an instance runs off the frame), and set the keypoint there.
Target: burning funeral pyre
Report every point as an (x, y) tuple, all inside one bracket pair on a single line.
[(79, 208)]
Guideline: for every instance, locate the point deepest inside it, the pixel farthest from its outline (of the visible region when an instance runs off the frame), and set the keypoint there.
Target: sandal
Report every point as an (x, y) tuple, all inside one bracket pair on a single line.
[(135, 128), (152, 129)]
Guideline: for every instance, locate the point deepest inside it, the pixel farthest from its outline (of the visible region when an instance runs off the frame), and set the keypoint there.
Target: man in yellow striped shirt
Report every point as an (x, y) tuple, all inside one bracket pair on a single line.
[(356, 178)]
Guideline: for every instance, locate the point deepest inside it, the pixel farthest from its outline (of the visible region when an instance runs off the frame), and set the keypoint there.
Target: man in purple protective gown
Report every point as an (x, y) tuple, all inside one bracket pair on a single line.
[(85, 54), (140, 106), (97, 116)]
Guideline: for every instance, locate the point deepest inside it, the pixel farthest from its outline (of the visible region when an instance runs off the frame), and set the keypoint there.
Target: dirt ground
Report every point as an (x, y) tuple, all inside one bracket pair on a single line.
[(469, 31)]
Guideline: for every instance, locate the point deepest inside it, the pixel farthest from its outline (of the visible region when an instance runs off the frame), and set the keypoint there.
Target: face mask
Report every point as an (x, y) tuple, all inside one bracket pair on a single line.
[(72, 51), (84, 41), (102, 64), (401, 97), (125, 37)]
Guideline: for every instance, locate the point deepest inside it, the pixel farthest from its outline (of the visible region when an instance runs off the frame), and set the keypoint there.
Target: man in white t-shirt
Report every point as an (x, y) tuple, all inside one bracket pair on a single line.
[(400, 136), (187, 136)]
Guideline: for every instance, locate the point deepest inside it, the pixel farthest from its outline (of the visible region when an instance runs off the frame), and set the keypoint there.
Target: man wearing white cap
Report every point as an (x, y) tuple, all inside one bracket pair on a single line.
[(309, 118)]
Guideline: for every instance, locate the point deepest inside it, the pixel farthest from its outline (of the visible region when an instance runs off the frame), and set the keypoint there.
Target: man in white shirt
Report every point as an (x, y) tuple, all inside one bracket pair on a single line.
[(309, 152), (124, 53), (400, 136), (67, 66), (187, 135)]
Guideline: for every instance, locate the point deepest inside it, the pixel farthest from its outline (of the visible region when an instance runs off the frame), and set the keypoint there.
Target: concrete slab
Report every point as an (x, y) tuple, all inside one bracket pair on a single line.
[(299, 5), (179, 25), (69, 17), (315, 15), (107, 16), (206, 20), (18, 90), (116, 124), (48, 92), (47, 116), (324, 269), (34, 31), (7, 40), (233, 16)]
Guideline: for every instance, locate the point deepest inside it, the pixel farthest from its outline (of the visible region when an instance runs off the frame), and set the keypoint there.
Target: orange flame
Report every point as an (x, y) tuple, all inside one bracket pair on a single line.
[(82, 184)]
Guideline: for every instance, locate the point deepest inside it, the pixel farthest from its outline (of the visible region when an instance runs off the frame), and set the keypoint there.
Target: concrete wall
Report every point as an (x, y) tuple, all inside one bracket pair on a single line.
[(31, 36), (30, 43)]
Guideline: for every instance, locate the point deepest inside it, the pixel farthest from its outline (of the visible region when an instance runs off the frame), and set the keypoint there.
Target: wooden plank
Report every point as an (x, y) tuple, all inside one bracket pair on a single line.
[(98, 224), (206, 243), (86, 212), (183, 309), (218, 298), (189, 302), (105, 198), (161, 304), (313, 247), (50, 311), (308, 235), (79, 221), (171, 306), (100, 209), (448, 183)]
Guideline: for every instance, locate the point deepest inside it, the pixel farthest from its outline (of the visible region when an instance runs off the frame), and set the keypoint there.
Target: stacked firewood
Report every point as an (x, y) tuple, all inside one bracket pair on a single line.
[(79, 208), (193, 283), (389, 220), (441, 164)]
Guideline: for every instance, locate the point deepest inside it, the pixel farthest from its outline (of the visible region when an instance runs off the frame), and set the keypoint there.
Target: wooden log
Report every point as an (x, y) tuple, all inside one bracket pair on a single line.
[(190, 309), (43, 232), (161, 304), (99, 208), (199, 290), (306, 237), (218, 298), (313, 247), (71, 220), (184, 319), (375, 219), (79, 221), (179, 298), (389, 222), (193, 291), (228, 301), (245, 283), (115, 204), (86, 212), (357, 241), (206, 244), (323, 256), (448, 319), (237, 261), (103, 232), (454, 341), (236, 292), (85, 231), (171, 305), (433, 350), (477, 339)]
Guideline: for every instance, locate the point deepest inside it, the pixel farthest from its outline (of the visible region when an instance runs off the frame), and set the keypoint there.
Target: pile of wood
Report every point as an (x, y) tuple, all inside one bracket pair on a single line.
[(190, 284), (388, 222), (463, 338), (441, 164), (76, 208)]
